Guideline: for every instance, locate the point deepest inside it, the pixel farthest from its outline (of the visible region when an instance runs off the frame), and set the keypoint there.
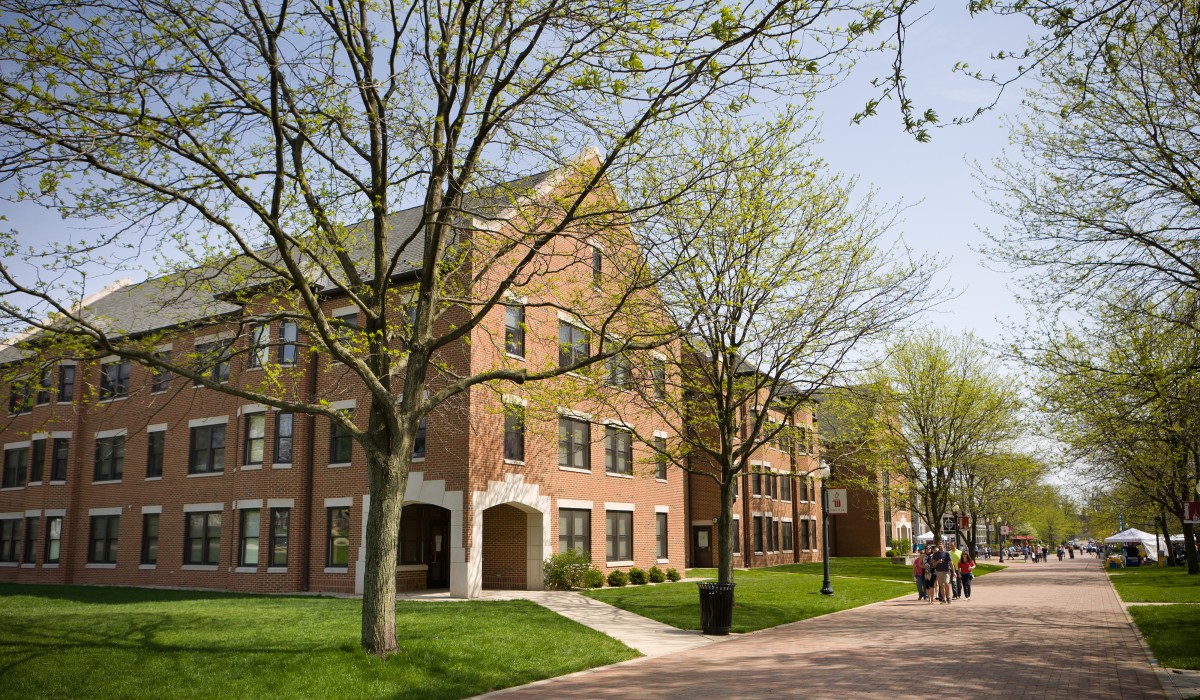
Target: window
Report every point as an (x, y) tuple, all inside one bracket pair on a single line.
[(758, 533), (737, 537), (785, 487), (208, 449), (284, 427), (768, 484), (248, 551), (155, 447), (277, 554), (110, 458), (256, 438), (574, 441), (736, 484), (58, 460), (658, 375), (202, 544), (160, 379), (787, 537), (574, 530), (38, 461), (514, 432), (150, 538), (660, 458), (260, 340), (31, 534), (756, 483), (419, 440), (53, 539), (597, 265), (103, 539), (805, 534), (341, 443), (660, 535), (620, 372), (339, 537), (776, 542), (618, 451), (16, 463), (618, 537), (66, 383), (573, 345), (812, 488), (769, 522), (514, 330), (287, 343), (348, 326), (18, 397), (214, 361), (114, 380), (10, 539), (45, 382)]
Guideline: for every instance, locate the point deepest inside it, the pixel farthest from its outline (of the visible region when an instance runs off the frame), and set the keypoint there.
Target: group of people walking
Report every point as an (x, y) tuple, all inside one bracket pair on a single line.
[(943, 574)]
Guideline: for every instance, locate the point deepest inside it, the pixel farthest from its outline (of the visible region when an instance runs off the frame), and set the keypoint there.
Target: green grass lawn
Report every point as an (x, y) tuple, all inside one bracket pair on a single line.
[(1170, 630), (763, 597), (1150, 584), (73, 642)]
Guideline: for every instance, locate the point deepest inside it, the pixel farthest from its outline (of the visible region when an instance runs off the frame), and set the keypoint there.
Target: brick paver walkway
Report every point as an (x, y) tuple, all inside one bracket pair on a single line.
[(1053, 630)]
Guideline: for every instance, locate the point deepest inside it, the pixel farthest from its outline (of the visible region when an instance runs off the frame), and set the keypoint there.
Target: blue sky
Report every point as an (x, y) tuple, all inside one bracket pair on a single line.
[(935, 180)]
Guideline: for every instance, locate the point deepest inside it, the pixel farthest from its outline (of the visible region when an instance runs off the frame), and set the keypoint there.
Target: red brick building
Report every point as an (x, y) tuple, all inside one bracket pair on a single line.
[(776, 510), (116, 474)]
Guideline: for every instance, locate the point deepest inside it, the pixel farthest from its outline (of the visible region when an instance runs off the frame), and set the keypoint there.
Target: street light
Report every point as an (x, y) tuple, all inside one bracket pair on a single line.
[(823, 472)]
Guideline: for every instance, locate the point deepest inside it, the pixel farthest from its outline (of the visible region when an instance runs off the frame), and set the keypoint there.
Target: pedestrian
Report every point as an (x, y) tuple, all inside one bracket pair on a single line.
[(918, 573), (930, 577), (1025, 551), (956, 555), (941, 568), (966, 565), (1061, 552)]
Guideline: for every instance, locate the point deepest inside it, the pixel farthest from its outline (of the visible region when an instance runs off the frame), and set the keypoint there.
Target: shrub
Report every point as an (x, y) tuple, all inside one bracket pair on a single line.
[(638, 576), (593, 578), (566, 570), (673, 575), (902, 547), (618, 578), (656, 575), (890, 553)]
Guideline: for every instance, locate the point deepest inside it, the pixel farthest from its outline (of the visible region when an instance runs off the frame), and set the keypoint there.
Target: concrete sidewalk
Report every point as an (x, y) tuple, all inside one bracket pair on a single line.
[(1052, 630), (650, 637)]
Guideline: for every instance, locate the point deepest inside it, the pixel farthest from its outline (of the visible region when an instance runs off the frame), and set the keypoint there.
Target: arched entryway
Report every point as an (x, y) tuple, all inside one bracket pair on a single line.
[(506, 548), (424, 557), (510, 536)]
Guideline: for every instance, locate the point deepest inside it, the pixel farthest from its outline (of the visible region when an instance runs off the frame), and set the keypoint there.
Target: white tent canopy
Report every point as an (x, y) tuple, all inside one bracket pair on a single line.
[(1150, 543), (926, 537)]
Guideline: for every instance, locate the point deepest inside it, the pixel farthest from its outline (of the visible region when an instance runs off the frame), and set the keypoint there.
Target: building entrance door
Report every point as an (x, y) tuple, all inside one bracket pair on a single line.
[(436, 545), (702, 546)]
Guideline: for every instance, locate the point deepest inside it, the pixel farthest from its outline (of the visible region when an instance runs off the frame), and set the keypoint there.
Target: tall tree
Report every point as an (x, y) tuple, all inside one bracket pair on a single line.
[(1111, 197), (940, 405), (777, 276), (992, 487), (274, 144)]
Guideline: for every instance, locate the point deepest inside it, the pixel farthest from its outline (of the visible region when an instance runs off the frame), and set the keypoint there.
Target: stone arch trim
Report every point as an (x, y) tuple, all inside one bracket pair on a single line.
[(515, 492), (433, 492)]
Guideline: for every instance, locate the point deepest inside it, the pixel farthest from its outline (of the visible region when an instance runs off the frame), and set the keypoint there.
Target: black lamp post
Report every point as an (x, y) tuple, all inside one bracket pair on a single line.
[(827, 587)]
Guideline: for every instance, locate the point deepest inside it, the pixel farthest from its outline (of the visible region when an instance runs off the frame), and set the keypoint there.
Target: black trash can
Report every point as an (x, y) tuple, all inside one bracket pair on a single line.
[(716, 607)]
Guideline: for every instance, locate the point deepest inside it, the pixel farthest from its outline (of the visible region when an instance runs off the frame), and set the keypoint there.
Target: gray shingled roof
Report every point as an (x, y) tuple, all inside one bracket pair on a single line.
[(198, 293)]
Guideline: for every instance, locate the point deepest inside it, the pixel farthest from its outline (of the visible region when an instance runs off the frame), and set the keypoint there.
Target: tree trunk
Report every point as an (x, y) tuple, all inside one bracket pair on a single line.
[(725, 533), (1166, 532), (387, 478), (1189, 544)]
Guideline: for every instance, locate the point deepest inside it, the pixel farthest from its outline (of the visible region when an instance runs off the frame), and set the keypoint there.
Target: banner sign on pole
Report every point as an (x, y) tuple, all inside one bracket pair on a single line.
[(964, 522), (948, 524), (837, 501), (1004, 530), (1191, 512)]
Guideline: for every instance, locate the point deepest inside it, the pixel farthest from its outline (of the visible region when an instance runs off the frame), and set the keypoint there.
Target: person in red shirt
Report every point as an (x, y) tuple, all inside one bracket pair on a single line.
[(965, 566)]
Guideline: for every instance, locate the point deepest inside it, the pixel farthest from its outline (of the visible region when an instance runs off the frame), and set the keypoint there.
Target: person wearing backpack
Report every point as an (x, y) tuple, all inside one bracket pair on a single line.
[(918, 573)]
